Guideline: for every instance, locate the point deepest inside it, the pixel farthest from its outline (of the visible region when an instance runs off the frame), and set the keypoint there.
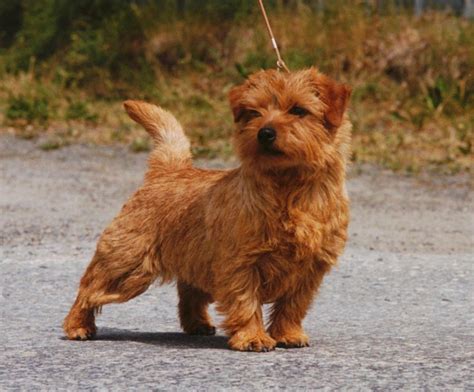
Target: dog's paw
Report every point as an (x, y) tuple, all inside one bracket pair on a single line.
[(295, 340), (202, 329), (81, 333), (259, 343)]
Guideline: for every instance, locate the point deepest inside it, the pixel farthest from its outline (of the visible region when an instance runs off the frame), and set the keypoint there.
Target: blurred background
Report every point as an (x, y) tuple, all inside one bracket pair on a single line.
[(66, 66)]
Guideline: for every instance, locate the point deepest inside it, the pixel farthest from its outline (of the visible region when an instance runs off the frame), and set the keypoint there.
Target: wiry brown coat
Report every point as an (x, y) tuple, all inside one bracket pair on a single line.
[(266, 232)]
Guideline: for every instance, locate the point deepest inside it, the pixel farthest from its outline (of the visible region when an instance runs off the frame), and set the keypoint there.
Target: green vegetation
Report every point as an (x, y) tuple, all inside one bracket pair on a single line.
[(79, 110), (27, 108), (140, 144), (52, 144), (66, 66)]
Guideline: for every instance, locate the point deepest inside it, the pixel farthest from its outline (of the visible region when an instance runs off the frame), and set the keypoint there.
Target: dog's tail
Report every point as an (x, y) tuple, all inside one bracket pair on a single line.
[(171, 144)]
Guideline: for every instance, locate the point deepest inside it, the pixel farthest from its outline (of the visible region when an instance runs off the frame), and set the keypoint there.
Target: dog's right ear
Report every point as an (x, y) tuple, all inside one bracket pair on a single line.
[(335, 95), (235, 99)]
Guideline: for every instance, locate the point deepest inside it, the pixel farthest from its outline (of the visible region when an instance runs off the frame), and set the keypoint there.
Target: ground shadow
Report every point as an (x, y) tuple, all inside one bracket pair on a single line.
[(164, 339)]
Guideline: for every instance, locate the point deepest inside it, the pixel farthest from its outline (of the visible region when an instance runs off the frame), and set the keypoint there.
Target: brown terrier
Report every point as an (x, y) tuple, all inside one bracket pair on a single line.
[(266, 232)]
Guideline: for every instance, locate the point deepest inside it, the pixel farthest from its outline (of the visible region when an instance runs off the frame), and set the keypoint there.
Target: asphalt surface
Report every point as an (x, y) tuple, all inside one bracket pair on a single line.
[(396, 314)]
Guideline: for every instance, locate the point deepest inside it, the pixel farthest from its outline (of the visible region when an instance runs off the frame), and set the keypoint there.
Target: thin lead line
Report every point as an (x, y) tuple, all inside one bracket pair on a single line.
[(280, 63)]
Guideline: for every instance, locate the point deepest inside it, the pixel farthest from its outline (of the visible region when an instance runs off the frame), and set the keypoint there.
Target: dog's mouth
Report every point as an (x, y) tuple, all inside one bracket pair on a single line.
[(272, 151)]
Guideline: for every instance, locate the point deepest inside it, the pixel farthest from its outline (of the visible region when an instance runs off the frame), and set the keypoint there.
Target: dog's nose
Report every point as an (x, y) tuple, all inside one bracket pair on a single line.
[(266, 136)]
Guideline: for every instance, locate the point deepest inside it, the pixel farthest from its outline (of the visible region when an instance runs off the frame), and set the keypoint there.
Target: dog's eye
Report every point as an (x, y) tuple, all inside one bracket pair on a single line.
[(249, 114), (298, 111)]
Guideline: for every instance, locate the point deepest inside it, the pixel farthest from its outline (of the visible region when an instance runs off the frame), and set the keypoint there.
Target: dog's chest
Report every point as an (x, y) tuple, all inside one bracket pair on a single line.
[(295, 235), (298, 241), (280, 275), (287, 252)]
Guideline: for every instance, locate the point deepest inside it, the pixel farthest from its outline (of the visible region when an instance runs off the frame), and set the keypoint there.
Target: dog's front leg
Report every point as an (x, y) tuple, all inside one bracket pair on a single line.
[(238, 299), (289, 311)]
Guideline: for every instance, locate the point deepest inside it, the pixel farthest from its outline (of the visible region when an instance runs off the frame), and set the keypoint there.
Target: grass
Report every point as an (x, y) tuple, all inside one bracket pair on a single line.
[(140, 144), (27, 108), (413, 85), (52, 144), (79, 110)]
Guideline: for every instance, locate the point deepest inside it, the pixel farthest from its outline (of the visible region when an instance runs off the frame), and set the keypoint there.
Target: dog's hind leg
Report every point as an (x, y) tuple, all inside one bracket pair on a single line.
[(193, 313), (105, 281)]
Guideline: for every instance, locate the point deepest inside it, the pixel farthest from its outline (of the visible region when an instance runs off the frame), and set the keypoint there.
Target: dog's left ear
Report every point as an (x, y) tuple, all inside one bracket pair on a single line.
[(235, 99), (335, 95)]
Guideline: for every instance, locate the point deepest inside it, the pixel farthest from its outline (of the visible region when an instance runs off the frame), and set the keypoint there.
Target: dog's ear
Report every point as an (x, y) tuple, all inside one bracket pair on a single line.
[(235, 100), (335, 96)]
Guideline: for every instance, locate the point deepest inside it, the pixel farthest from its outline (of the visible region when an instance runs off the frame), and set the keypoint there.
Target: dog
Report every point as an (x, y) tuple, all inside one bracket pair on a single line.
[(265, 232)]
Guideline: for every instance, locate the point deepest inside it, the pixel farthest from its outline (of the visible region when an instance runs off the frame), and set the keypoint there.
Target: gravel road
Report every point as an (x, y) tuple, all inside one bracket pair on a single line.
[(396, 314)]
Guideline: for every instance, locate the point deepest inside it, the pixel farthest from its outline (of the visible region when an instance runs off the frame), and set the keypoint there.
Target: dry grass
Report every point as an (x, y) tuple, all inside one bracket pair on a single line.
[(412, 106)]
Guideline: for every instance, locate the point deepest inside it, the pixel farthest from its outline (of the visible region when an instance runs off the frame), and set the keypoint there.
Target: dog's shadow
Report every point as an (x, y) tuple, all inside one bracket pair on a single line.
[(164, 339)]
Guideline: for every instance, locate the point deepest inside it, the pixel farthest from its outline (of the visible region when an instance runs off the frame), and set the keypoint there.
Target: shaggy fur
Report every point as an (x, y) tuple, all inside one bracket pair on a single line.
[(266, 232)]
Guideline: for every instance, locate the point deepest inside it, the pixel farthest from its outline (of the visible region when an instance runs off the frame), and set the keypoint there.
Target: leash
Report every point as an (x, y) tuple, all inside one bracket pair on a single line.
[(280, 63)]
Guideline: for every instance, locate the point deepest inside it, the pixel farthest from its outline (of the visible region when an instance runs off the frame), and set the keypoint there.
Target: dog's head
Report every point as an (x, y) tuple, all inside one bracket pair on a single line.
[(289, 119)]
